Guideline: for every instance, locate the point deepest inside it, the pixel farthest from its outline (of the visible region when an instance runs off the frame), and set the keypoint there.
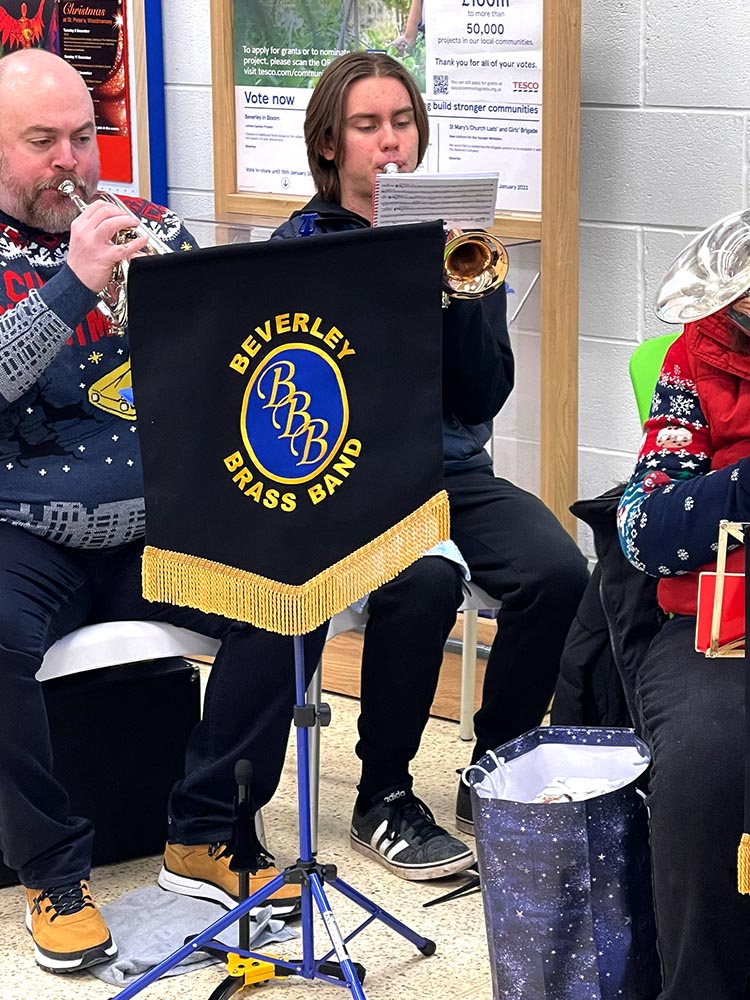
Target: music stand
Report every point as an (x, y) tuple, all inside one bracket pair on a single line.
[(246, 966), (377, 508)]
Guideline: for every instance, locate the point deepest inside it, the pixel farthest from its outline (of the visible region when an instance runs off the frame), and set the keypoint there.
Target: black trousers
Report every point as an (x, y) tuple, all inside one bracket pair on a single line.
[(693, 715), (47, 591), (518, 553)]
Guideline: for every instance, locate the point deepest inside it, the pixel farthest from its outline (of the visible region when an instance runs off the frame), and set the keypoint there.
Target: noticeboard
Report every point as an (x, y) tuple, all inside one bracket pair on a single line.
[(494, 73), (478, 65)]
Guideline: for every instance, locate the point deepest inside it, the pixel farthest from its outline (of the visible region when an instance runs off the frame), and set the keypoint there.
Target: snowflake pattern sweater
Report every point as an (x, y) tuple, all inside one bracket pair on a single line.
[(70, 467), (693, 467)]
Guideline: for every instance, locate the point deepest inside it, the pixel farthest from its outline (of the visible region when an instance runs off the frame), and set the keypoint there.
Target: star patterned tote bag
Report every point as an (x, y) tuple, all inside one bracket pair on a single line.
[(562, 845)]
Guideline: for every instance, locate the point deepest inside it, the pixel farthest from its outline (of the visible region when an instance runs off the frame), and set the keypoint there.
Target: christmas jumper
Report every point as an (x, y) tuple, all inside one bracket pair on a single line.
[(70, 467), (693, 467)]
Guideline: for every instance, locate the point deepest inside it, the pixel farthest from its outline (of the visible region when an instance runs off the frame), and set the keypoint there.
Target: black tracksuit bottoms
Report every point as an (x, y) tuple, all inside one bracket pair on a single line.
[(519, 554)]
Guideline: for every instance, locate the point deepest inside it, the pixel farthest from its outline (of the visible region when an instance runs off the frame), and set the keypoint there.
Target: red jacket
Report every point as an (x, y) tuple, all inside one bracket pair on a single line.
[(722, 381)]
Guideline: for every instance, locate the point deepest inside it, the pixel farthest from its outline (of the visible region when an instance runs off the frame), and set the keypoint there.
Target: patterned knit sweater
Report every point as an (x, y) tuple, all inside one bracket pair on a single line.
[(70, 466), (693, 467)]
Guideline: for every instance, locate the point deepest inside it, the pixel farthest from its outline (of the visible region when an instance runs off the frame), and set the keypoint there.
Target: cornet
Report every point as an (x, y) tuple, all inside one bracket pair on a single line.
[(709, 274), (475, 263), (113, 298)]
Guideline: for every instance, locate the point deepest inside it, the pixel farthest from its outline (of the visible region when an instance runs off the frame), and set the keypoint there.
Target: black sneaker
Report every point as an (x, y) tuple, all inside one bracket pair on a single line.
[(464, 814), (399, 831)]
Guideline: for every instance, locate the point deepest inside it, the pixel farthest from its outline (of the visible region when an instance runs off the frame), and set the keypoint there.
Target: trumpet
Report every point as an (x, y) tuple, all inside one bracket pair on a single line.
[(113, 298)]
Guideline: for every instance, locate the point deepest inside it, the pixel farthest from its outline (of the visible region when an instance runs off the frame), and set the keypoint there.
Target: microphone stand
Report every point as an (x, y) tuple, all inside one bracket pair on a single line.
[(247, 967)]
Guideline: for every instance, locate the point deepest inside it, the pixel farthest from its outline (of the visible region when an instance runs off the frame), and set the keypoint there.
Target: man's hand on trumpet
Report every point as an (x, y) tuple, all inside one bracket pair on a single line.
[(93, 254)]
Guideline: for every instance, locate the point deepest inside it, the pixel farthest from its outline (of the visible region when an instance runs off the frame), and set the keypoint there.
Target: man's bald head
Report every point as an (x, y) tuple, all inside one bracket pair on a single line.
[(29, 72), (47, 135)]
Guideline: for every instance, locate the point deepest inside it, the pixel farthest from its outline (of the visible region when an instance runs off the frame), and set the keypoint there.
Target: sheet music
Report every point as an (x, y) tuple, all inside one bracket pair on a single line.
[(466, 201)]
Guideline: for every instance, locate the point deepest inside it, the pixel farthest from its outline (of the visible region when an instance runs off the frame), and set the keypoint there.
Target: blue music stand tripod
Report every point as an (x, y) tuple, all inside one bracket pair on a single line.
[(248, 967)]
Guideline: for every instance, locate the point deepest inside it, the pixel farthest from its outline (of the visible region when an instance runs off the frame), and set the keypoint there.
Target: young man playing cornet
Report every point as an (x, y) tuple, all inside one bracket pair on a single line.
[(364, 114)]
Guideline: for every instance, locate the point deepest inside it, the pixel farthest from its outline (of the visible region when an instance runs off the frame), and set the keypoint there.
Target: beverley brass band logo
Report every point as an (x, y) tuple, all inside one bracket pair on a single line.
[(294, 416)]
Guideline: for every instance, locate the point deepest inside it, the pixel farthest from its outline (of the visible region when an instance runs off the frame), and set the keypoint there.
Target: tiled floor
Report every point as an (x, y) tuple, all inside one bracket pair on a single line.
[(395, 970)]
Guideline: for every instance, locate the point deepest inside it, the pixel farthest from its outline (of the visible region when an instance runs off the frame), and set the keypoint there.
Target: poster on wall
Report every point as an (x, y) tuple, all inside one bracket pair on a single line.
[(484, 92), (92, 37), (478, 64)]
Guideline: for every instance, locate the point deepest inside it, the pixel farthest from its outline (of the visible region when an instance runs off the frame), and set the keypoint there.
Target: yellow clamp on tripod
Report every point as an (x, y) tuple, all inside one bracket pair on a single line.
[(253, 970)]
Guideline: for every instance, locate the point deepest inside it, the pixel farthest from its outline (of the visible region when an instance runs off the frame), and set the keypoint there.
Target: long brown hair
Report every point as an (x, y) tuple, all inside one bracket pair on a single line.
[(324, 121)]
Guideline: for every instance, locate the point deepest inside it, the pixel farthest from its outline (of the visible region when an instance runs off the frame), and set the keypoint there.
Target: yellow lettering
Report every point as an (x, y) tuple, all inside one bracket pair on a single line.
[(345, 350), (309, 439), (239, 362), (352, 447), (271, 499), (342, 465), (251, 345), (332, 337), (264, 331), (297, 405), (243, 477), (316, 493), (300, 322), (315, 328), (282, 323), (331, 482)]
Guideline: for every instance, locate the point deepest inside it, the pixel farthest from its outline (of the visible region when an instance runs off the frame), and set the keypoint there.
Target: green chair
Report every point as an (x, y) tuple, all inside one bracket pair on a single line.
[(645, 365)]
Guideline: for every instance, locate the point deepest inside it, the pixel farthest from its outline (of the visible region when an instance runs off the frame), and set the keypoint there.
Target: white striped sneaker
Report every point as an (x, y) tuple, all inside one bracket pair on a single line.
[(400, 833)]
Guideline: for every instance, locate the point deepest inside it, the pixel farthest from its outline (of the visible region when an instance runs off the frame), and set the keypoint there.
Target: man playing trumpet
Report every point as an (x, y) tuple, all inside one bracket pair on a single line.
[(72, 521)]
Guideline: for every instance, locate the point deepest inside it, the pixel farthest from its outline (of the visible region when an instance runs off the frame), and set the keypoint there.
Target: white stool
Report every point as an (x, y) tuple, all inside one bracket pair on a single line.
[(113, 643), (474, 602)]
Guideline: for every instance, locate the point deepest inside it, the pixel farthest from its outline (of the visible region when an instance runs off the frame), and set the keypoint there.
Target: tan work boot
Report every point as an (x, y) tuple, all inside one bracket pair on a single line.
[(202, 870), (69, 932)]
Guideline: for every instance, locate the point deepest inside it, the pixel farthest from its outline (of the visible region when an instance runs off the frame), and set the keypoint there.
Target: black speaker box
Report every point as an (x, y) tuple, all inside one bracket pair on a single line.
[(118, 738)]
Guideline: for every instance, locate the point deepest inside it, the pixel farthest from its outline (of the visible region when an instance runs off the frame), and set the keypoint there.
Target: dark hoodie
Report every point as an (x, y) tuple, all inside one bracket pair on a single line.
[(478, 363)]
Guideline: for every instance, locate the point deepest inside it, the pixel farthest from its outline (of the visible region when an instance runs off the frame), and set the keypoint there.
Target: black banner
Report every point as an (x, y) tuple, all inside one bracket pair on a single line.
[(289, 400)]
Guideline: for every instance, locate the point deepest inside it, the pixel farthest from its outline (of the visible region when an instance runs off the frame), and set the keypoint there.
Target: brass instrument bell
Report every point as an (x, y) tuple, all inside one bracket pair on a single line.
[(710, 273), (475, 263)]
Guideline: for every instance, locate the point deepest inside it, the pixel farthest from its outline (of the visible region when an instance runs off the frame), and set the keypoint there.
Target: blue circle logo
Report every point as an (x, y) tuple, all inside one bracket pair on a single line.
[(295, 413)]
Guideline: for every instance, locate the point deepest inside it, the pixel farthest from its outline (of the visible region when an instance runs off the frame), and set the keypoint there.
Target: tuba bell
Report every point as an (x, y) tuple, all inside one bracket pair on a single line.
[(113, 298), (711, 273)]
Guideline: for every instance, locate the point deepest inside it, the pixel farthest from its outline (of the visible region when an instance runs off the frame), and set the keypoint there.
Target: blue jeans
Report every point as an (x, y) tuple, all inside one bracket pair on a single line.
[(692, 711), (47, 591)]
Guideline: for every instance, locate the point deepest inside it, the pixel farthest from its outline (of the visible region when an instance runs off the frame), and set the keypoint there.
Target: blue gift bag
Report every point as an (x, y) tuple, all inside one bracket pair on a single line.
[(562, 845)]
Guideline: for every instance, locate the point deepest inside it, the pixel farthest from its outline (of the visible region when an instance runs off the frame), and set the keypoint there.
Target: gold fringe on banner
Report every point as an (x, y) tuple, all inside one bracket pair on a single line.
[(743, 865), (289, 609)]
